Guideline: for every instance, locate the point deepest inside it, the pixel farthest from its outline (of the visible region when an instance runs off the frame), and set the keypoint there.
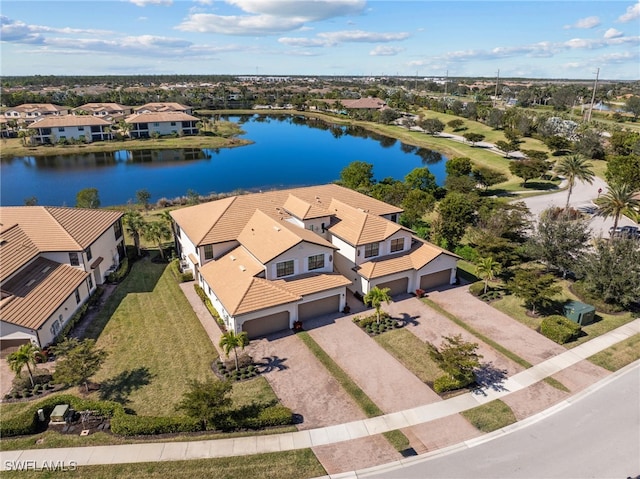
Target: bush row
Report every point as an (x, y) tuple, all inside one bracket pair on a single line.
[(560, 329), (180, 276), (120, 273), (207, 302), (77, 317), (130, 425)]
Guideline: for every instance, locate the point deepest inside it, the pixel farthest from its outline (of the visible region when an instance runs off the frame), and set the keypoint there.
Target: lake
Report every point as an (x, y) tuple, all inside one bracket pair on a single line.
[(288, 151)]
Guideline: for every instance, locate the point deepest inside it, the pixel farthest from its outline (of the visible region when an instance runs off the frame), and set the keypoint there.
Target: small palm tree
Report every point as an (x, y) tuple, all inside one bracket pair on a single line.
[(134, 224), (574, 167), (156, 232), (24, 356), (487, 269), (619, 199), (375, 297), (230, 340)]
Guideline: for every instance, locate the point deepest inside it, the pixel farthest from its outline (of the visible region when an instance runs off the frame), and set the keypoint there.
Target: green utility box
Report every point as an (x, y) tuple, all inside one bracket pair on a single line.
[(580, 313), (59, 414)]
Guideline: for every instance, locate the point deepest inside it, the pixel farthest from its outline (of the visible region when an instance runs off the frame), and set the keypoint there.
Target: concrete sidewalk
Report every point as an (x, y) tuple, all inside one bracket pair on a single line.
[(179, 451)]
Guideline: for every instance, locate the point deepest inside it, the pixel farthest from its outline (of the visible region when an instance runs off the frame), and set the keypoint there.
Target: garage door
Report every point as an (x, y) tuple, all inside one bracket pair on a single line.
[(266, 325), (8, 346), (319, 307), (430, 281), (399, 286)]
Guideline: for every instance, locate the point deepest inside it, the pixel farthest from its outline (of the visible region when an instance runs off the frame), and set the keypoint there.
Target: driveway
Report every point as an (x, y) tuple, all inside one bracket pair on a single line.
[(516, 337)]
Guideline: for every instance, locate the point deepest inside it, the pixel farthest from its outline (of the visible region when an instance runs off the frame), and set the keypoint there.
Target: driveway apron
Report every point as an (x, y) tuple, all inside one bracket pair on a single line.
[(516, 337)]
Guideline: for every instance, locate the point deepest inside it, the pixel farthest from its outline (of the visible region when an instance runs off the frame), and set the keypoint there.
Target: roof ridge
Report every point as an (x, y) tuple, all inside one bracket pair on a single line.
[(48, 208)]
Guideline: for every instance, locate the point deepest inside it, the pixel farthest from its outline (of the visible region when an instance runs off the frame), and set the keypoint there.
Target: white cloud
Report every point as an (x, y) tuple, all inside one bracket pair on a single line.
[(144, 3), (632, 13), (613, 33), (330, 39), (589, 22), (268, 17), (385, 50)]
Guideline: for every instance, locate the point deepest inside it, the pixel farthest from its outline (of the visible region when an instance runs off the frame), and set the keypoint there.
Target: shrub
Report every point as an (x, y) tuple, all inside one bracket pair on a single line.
[(447, 383), (119, 274), (467, 252), (477, 288), (559, 329), (130, 425)]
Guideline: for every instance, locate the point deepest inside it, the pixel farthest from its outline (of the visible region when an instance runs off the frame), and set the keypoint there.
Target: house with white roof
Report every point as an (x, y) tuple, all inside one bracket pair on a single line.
[(267, 260), (52, 261)]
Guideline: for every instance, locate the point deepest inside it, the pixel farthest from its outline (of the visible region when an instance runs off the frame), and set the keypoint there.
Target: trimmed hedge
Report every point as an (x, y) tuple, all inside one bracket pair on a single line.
[(207, 302), (130, 425), (448, 383), (560, 329), (180, 277), (120, 273)]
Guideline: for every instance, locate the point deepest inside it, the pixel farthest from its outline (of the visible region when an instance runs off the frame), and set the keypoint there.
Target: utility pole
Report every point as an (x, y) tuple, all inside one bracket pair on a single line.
[(495, 97), (593, 96)]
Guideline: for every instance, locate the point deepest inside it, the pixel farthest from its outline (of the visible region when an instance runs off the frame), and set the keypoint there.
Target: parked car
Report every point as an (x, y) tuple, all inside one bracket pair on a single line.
[(631, 232)]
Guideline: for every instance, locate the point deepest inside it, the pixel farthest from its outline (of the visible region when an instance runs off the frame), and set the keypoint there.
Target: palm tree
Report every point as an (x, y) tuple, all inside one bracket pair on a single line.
[(24, 356), (156, 231), (617, 200), (487, 269), (134, 224), (230, 340), (376, 296), (574, 167)]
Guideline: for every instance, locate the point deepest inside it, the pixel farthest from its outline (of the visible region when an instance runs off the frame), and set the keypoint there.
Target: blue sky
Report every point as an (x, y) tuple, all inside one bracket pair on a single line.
[(538, 39)]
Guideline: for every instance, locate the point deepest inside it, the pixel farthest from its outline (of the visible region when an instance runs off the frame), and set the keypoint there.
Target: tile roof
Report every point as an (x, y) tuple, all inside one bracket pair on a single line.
[(16, 250), (160, 117), (34, 107), (420, 254), (358, 227), (162, 107), (58, 228), (69, 120), (302, 209), (266, 238), (37, 291), (313, 283), (226, 218), (115, 107)]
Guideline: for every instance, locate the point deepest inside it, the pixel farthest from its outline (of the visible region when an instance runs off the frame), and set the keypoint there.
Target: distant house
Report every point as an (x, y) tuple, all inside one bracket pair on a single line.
[(340, 105), (163, 107), (30, 112), (107, 111), (267, 260), (52, 260), (71, 127), (144, 125)]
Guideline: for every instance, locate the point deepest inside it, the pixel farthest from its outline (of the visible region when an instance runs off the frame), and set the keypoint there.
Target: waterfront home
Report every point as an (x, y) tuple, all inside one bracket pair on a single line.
[(107, 111), (30, 112), (145, 125), (84, 128)]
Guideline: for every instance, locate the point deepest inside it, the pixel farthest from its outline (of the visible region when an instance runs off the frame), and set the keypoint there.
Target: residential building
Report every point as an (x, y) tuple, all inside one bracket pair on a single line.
[(84, 128), (107, 111), (52, 260), (267, 260), (145, 125), (163, 107), (30, 112)]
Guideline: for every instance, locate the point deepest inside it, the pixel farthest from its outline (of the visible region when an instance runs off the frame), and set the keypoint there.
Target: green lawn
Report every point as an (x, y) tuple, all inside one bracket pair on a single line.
[(298, 464), (407, 348), (618, 355), (154, 339), (491, 416)]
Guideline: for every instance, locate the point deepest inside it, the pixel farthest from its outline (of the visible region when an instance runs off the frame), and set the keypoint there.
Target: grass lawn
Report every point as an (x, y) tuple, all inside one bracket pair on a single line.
[(491, 416), (407, 348), (298, 464), (154, 339), (618, 355)]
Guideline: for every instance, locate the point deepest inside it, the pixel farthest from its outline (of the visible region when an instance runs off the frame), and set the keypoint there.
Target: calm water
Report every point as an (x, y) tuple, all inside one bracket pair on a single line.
[(288, 152)]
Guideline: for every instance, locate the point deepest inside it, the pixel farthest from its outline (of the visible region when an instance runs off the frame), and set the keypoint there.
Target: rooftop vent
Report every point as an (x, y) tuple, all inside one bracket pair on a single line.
[(277, 228), (233, 258), (242, 268)]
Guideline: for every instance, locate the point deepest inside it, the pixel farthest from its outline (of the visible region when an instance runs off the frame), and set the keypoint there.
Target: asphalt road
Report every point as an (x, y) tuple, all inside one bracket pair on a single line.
[(582, 198), (598, 436)]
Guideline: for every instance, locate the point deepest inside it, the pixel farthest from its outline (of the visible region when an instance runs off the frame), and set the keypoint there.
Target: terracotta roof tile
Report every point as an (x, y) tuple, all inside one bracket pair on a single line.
[(37, 291), (16, 250), (313, 283), (302, 209), (160, 117), (69, 120), (359, 227)]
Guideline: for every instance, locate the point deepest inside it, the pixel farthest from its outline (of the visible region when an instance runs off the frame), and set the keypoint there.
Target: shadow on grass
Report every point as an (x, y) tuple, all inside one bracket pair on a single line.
[(540, 185), (121, 386)]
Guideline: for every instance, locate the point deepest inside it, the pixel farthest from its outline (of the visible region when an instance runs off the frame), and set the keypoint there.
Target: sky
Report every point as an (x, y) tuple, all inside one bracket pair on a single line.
[(422, 38)]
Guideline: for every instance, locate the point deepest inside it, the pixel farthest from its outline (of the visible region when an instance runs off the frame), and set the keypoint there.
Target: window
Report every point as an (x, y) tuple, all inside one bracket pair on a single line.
[(371, 249), (284, 269), (117, 229), (90, 283), (61, 128), (316, 262), (394, 218), (73, 259), (89, 254), (156, 124), (173, 123), (77, 296), (81, 128), (55, 328), (208, 251), (397, 244), (177, 231)]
